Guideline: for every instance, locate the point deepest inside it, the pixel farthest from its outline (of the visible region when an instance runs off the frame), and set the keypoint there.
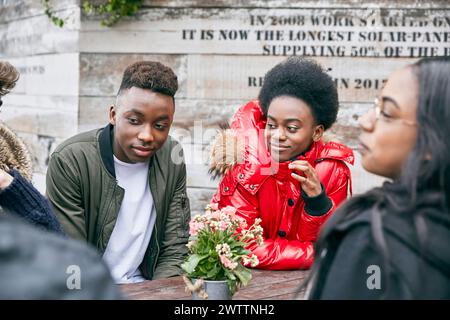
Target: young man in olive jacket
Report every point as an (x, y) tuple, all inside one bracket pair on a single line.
[(123, 187)]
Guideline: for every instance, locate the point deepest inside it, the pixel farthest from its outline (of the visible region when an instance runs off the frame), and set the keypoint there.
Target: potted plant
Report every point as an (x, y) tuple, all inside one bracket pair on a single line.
[(217, 263)]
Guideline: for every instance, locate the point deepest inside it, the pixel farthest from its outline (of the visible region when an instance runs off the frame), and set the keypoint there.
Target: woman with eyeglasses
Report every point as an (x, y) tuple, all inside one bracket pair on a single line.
[(393, 241)]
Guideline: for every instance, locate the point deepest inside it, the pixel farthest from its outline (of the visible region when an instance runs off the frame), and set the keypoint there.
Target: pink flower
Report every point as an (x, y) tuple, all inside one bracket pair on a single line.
[(214, 206), (242, 223), (215, 215), (229, 211), (195, 227), (228, 263), (224, 225)]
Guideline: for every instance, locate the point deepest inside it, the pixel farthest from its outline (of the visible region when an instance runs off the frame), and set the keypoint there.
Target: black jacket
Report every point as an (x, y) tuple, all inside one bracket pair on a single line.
[(34, 263), (21, 199), (350, 260)]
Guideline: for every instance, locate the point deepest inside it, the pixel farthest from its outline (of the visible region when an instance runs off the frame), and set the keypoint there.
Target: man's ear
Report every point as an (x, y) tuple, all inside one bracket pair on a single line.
[(112, 114), (318, 133)]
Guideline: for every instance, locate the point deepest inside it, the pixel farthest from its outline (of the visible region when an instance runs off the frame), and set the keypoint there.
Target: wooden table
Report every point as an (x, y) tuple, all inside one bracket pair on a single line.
[(265, 285)]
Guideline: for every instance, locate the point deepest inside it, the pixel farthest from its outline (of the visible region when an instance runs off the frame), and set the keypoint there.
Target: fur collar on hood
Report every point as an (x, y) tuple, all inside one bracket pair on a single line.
[(13, 153), (226, 151)]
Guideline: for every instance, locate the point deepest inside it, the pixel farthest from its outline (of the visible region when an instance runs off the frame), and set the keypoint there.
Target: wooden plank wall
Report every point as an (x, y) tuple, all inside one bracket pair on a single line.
[(220, 51), (43, 108)]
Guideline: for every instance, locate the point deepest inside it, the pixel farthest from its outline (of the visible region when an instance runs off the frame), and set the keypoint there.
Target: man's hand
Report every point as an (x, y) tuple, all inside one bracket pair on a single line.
[(309, 181), (5, 179)]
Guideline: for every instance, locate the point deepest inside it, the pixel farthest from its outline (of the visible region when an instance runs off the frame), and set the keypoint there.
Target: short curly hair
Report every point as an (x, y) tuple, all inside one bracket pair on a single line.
[(150, 75), (8, 77), (306, 80)]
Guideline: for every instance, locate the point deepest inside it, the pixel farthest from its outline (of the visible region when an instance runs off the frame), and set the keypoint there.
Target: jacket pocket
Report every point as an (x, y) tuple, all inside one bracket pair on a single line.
[(185, 216)]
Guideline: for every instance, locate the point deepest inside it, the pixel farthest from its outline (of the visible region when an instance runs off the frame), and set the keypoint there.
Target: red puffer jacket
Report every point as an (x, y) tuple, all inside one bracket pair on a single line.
[(289, 231)]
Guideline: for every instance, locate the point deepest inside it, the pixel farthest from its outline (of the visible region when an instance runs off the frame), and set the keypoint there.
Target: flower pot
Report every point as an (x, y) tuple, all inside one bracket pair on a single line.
[(215, 290)]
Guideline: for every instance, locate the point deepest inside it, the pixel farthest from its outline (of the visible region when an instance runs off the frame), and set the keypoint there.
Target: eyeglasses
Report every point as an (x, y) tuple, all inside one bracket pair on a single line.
[(382, 116)]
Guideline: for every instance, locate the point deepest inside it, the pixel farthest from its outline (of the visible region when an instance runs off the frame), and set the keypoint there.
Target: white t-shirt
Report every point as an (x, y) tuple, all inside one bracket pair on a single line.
[(133, 229)]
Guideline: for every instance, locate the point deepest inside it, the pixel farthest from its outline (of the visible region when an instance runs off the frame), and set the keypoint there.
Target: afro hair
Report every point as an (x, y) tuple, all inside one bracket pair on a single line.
[(150, 75), (306, 80)]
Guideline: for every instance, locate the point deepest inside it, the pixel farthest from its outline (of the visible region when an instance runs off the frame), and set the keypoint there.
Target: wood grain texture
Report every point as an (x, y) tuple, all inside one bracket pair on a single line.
[(265, 284)]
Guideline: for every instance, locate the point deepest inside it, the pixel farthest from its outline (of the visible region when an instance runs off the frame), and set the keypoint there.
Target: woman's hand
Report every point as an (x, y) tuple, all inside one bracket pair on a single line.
[(309, 180), (5, 179)]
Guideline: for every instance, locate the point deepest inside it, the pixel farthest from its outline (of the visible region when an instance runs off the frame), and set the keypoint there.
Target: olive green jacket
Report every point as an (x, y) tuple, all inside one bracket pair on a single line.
[(82, 187)]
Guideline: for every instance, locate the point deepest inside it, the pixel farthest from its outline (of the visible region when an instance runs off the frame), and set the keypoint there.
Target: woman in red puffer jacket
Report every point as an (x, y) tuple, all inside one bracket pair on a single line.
[(283, 172)]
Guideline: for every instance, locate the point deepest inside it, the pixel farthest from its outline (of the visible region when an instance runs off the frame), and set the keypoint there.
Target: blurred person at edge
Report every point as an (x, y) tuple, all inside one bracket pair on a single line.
[(392, 242), (36, 259)]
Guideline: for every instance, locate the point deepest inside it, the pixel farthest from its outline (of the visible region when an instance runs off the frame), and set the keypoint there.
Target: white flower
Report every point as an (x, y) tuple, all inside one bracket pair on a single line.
[(223, 249), (254, 261), (214, 224), (190, 244)]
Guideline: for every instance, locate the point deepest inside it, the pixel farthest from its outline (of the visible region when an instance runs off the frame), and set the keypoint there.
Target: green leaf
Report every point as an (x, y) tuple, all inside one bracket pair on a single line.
[(112, 10), (244, 274), (191, 263), (229, 274), (232, 285), (213, 272)]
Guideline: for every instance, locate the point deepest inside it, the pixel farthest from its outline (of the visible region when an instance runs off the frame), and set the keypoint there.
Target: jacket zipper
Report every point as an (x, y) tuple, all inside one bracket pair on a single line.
[(156, 223), (104, 219), (157, 249)]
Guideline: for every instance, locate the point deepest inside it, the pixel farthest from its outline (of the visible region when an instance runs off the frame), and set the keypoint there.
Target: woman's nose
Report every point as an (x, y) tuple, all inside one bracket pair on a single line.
[(367, 121), (279, 134)]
